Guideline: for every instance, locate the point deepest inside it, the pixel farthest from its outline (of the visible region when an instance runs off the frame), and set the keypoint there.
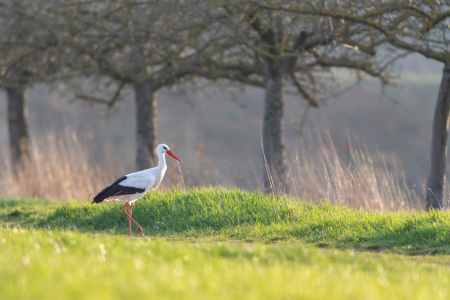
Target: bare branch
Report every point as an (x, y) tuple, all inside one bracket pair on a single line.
[(110, 103), (362, 19), (312, 100)]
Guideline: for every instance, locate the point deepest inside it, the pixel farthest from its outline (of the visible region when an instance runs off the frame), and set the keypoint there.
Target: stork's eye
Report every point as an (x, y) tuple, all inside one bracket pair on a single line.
[(165, 148)]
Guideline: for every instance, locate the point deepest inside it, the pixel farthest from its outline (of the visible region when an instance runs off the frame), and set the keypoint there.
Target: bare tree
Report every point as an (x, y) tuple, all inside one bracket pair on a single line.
[(277, 50), (144, 46), (416, 26), (27, 55)]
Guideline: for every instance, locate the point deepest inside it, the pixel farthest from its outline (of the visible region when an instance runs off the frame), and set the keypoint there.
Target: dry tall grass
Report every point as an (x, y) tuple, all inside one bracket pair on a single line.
[(61, 168), (58, 168), (369, 181)]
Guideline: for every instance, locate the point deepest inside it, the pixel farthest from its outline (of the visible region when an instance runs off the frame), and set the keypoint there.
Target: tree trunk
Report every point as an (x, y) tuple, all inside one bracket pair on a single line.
[(146, 126), (273, 138), (19, 140), (438, 153)]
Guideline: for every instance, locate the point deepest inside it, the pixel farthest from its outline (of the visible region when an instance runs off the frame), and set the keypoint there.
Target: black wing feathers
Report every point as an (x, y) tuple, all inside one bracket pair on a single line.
[(116, 189)]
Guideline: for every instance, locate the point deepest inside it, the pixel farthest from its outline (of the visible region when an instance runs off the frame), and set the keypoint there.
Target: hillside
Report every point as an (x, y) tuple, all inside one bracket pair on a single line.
[(219, 244), (222, 214)]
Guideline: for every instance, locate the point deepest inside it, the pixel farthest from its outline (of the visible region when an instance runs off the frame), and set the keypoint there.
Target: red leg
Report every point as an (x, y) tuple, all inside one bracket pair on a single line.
[(129, 220), (139, 228), (131, 214)]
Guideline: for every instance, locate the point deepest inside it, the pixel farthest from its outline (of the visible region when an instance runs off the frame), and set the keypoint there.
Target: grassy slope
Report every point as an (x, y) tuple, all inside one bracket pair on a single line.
[(221, 214), (42, 256)]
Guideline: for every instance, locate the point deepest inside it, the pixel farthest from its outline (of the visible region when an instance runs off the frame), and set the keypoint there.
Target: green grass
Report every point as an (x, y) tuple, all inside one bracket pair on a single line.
[(221, 214), (73, 265), (220, 244)]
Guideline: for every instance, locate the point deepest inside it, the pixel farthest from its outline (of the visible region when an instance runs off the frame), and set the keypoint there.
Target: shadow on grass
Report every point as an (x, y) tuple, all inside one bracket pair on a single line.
[(411, 233), (172, 213), (408, 233), (169, 216)]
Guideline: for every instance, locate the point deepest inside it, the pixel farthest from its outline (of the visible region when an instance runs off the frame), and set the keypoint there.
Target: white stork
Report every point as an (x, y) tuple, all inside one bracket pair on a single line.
[(132, 187)]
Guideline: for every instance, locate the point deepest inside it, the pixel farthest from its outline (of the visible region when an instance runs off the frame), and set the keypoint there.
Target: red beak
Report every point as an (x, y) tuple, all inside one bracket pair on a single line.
[(173, 155)]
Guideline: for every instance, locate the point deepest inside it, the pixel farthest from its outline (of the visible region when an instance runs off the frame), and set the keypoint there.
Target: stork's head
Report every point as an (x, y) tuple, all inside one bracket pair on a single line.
[(163, 148)]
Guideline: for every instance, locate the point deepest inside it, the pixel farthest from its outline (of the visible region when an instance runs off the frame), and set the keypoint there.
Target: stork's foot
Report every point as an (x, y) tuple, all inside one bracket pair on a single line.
[(140, 231)]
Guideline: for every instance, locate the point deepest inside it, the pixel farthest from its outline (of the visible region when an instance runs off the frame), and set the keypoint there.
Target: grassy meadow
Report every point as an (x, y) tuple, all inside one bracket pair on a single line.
[(220, 244)]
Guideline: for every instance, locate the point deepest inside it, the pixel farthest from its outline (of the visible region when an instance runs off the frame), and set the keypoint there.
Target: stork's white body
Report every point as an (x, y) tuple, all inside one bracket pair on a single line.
[(148, 180)]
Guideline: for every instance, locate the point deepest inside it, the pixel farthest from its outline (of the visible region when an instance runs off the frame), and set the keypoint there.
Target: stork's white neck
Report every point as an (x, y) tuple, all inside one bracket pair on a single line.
[(161, 161)]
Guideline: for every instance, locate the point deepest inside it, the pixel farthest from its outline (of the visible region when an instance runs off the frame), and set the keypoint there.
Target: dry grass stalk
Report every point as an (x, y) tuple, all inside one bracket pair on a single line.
[(58, 168), (367, 182), (198, 173)]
